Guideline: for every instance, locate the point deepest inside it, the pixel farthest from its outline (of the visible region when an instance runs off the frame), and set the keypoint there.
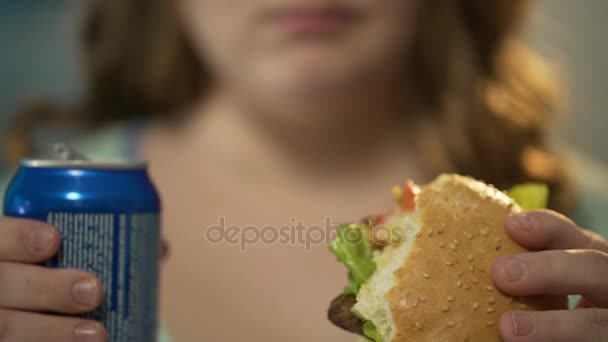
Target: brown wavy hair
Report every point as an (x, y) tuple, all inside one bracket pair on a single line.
[(488, 100)]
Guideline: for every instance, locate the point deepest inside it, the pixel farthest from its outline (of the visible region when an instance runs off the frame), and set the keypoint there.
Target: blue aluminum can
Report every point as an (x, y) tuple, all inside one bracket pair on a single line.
[(108, 216)]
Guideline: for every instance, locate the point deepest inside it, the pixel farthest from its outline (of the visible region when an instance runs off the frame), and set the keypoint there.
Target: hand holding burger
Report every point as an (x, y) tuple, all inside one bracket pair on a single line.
[(441, 266), (567, 260)]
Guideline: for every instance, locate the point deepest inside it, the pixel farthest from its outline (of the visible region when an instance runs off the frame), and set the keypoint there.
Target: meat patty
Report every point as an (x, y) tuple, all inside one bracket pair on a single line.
[(340, 313)]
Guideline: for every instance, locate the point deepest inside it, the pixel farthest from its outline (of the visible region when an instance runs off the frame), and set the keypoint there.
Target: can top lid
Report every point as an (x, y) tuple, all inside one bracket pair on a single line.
[(110, 164), (62, 156)]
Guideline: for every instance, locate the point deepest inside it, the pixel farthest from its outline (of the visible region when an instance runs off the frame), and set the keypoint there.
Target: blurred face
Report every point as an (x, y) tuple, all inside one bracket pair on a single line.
[(300, 52)]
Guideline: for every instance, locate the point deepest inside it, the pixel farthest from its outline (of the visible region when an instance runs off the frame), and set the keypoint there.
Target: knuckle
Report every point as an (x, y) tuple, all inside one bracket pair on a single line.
[(544, 218), (594, 256), (546, 264), (584, 255), (43, 289), (44, 299), (589, 238), (551, 217), (19, 237), (54, 295), (558, 226), (597, 260), (591, 257)]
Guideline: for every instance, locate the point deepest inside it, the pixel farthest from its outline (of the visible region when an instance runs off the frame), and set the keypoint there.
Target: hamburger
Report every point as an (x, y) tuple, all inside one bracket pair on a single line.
[(421, 272)]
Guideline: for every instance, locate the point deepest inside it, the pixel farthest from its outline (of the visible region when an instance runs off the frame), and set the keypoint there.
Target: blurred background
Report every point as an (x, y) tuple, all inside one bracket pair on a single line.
[(40, 58), (573, 35)]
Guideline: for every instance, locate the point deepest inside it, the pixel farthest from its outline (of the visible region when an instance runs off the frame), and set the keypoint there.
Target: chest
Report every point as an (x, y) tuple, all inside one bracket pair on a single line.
[(250, 248)]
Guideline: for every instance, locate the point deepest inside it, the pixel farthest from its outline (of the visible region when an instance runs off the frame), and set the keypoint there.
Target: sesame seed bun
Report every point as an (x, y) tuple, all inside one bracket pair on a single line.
[(436, 285)]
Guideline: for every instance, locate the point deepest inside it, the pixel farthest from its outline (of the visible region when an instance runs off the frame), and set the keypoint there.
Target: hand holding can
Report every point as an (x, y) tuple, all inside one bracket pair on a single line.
[(29, 292), (107, 215)]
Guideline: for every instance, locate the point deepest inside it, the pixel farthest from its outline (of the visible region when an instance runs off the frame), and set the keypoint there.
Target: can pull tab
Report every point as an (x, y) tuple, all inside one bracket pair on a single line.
[(61, 151)]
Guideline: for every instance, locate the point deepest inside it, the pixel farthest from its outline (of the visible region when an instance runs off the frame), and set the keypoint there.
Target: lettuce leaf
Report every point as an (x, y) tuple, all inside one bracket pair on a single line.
[(370, 330), (353, 248), (530, 196)]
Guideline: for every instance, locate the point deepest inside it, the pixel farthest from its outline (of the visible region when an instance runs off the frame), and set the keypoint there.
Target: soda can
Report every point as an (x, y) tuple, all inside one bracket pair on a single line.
[(108, 217)]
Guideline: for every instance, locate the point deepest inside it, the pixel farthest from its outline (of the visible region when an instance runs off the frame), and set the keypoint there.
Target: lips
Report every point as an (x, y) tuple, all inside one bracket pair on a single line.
[(320, 21)]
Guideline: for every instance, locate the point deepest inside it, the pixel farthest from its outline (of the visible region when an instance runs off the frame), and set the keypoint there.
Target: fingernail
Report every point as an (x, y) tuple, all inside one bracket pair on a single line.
[(523, 324), (513, 269), (85, 292), (42, 239), (523, 222), (89, 332)]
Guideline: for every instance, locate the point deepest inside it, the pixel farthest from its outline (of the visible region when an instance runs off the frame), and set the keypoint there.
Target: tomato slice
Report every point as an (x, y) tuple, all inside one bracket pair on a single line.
[(408, 199), (377, 220)]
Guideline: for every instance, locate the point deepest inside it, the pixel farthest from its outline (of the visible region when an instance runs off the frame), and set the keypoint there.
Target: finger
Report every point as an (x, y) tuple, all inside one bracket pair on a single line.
[(36, 288), (18, 326), (27, 240), (584, 325), (544, 229), (554, 272)]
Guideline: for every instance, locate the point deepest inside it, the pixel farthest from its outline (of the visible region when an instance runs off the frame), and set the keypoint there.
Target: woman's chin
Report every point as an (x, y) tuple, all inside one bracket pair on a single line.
[(319, 82), (312, 93)]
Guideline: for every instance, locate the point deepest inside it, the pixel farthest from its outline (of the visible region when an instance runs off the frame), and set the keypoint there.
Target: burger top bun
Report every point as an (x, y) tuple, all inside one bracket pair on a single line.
[(436, 284)]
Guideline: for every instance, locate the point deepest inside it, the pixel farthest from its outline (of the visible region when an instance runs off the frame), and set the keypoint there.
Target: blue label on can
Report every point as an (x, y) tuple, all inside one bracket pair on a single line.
[(122, 251)]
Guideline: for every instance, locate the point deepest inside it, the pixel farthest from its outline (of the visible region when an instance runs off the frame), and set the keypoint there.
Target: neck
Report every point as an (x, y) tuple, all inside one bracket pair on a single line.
[(343, 137)]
